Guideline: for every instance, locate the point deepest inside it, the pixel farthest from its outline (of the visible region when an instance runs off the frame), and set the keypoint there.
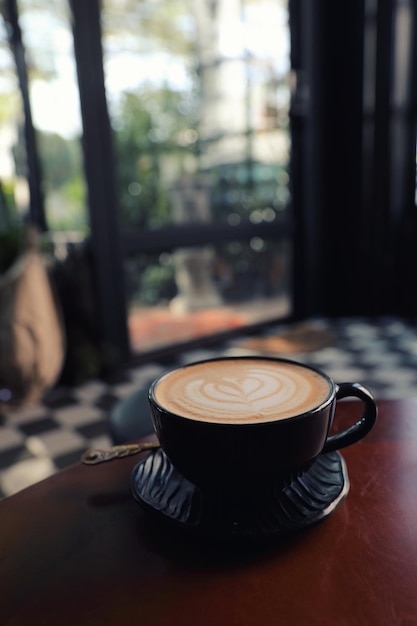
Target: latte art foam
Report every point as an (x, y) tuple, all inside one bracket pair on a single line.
[(241, 390)]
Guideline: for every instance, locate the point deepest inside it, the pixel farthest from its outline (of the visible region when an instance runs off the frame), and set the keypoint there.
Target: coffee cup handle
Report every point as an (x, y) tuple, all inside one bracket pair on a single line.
[(362, 427)]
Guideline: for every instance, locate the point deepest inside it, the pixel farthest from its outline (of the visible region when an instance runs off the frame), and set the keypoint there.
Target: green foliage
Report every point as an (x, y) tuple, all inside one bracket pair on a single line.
[(11, 244), (11, 232), (9, 104), (60, 159), (8, 213), (149, 134), (155, 280), (153, 25), (72, 214), (63, 182)]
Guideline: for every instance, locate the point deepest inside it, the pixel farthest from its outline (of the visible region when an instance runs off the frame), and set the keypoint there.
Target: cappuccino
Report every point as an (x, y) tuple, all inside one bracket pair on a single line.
[(242, 390)]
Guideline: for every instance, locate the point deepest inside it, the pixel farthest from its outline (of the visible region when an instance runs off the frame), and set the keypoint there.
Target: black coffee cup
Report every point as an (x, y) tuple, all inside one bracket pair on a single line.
[(245, 423)]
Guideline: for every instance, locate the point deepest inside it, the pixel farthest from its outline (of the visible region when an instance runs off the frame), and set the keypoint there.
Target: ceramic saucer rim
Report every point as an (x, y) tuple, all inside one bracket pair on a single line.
[(199, 527)]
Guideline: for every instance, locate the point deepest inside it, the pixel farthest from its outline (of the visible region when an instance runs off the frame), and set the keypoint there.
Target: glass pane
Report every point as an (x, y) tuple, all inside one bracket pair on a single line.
[(13, 185), (198, 95), (199, 98), (179, 296), (48, 42)]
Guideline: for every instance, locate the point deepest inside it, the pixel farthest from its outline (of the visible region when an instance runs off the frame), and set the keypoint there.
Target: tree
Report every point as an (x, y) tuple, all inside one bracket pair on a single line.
[(151, 145)]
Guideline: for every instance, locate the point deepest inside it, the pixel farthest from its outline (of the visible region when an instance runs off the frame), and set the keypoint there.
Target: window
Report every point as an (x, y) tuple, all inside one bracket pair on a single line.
[(199, 102), (252, 178)]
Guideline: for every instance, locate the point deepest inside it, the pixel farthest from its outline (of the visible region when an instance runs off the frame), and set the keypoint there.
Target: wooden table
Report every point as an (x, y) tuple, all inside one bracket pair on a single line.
[(76, 549)]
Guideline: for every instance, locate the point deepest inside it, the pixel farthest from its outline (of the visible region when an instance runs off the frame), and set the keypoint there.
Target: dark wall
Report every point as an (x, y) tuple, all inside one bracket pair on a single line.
[(354, 160)]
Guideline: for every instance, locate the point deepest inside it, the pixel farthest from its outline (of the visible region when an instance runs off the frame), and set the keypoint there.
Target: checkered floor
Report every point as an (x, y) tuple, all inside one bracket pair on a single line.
[(38, 440)]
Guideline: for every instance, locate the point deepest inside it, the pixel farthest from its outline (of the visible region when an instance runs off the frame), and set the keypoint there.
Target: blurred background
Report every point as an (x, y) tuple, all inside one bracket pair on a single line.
[(189, 171), (204, 165), (178, 199)]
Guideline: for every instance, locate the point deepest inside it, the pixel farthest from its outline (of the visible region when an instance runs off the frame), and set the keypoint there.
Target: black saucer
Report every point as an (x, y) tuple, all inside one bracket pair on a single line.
[(159, 487)]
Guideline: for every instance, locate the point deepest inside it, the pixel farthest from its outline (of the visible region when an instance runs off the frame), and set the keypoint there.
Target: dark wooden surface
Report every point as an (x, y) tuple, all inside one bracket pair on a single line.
[(76, 549)]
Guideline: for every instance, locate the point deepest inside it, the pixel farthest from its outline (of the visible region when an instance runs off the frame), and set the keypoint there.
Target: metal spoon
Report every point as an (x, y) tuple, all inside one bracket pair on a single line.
[(93, 456)]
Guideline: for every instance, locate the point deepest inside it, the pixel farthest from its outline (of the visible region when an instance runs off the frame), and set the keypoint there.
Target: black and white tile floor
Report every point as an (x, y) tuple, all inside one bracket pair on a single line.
[(38, 440)]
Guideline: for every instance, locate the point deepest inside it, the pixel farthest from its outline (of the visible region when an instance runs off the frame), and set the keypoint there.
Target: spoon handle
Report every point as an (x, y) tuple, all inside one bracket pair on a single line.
[(93, 456)]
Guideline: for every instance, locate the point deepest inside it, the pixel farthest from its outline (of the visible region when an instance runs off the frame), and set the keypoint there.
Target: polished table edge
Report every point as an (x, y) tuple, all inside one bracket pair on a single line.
[(76, 548)]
